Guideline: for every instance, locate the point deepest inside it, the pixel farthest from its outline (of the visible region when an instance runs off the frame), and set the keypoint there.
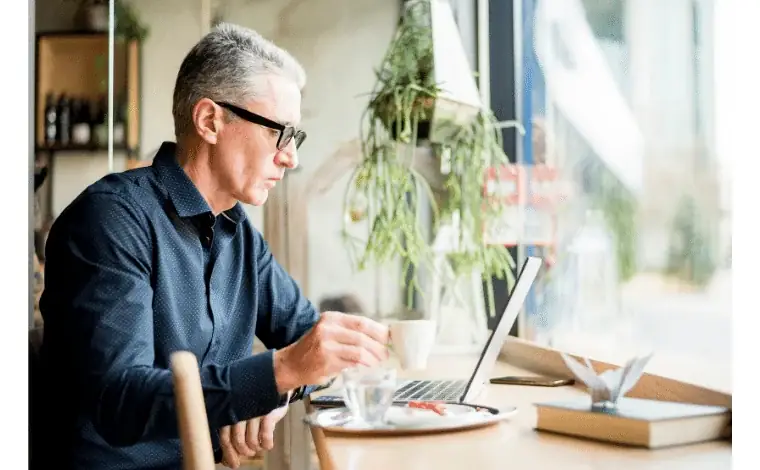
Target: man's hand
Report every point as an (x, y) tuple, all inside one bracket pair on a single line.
[(247, 438), (338, 341)]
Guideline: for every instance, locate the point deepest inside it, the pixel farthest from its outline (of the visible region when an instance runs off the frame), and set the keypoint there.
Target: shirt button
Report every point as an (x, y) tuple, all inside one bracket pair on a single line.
[(208, 239)]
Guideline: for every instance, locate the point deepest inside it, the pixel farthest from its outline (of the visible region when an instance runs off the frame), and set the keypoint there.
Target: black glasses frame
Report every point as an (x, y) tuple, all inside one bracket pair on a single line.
[(286, 132)]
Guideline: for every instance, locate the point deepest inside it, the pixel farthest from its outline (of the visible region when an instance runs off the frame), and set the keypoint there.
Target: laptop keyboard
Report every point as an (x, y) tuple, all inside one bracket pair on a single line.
[(429, 390)]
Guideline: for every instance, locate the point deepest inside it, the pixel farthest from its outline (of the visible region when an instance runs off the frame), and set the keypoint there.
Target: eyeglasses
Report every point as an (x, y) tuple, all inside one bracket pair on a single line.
[(286, 132)]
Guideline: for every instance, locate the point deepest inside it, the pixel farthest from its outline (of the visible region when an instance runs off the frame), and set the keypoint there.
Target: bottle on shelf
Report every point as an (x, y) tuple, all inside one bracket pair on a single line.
[(51, 120), (75, 106), (80, 123), (100, 123), (64, 120), (87, 119), (119, 119)]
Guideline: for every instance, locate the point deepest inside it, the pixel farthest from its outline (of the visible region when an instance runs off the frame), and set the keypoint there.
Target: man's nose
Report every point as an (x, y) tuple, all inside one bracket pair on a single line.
[(288, 157)]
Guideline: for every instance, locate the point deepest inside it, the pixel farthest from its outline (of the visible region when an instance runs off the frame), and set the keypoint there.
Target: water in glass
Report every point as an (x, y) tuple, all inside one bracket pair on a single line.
[(368, 393)]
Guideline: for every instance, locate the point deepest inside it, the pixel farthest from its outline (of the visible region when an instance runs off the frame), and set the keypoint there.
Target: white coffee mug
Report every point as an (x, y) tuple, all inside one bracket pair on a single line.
[(412, 341)]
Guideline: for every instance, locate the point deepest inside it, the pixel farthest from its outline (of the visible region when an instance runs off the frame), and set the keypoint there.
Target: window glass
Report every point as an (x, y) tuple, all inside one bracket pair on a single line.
[(627, 188)]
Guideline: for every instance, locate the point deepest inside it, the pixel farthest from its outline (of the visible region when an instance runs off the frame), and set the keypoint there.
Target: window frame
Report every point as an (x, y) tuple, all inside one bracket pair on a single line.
[(500, 81)]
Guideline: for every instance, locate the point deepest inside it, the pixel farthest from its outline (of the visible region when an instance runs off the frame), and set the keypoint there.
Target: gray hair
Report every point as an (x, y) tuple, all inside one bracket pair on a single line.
[(227, 65)]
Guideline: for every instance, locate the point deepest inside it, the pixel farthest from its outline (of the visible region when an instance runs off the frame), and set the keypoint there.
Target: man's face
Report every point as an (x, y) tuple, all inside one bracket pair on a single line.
[(245, 159)]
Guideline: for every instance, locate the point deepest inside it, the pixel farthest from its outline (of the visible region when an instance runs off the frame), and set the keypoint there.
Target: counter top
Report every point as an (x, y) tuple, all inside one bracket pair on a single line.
[(513, 444)]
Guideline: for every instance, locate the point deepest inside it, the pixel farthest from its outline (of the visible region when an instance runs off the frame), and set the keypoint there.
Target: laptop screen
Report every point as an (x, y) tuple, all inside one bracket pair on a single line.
[(499, 334)]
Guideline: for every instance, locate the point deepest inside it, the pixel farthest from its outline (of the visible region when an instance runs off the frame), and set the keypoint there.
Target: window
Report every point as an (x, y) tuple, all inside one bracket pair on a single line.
[(621, 101)]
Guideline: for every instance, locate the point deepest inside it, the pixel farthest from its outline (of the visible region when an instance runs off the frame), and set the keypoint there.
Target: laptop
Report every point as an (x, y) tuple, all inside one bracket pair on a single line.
[(463, 391)]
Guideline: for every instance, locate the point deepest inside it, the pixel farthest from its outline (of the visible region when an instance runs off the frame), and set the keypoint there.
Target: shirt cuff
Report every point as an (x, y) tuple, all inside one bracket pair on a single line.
[(301, 392), (254, 390), (297, 394), (285, 399)]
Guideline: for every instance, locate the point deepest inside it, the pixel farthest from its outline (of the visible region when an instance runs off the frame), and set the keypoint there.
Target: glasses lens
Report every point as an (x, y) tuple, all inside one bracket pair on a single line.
[(300, 137), (285, 137)]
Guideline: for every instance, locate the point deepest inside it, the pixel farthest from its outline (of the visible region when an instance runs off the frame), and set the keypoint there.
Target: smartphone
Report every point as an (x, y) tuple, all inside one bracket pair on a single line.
[(327, 401), (532, 381), (331, 401)]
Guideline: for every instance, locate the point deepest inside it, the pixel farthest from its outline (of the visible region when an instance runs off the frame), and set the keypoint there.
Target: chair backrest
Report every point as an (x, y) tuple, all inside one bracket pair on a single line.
[(197, 451)]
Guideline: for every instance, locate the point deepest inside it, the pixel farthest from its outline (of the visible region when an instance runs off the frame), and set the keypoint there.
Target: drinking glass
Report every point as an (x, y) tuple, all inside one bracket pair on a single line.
[(368, 393)]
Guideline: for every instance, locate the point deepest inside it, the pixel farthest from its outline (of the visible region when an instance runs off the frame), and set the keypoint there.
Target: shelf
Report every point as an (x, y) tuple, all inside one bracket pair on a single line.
[(76, 65), (79, 148)]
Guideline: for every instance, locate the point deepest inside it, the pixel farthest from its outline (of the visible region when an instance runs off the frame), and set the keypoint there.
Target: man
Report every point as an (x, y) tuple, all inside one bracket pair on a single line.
[(159, 259)]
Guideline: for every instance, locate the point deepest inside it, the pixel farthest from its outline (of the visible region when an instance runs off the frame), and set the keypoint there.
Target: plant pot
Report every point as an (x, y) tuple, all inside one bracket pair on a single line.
[(387, 112), (425, 161), (94, 17), (423, 131)]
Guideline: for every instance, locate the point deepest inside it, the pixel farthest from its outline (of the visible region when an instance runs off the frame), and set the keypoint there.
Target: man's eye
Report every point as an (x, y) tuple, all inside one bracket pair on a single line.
[(274, 132)]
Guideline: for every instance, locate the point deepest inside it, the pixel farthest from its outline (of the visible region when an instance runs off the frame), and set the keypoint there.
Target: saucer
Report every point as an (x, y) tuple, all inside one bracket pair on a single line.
[(412, 418)]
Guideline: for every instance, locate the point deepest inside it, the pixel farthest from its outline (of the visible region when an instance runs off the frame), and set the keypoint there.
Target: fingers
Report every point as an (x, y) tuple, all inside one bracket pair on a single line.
[(360, 341), (252, 435), (239, 439), (350, 356), (336, 342), (268, 423), (357, 331), (369, 327), (230, 457), (266, 432), (246, 438)]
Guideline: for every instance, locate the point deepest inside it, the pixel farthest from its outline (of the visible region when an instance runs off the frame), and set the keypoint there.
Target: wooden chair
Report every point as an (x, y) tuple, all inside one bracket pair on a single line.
[(197, 450)]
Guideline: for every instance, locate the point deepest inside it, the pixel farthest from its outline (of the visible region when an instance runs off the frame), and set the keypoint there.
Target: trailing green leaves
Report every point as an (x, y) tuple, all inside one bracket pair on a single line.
[(385, 189)]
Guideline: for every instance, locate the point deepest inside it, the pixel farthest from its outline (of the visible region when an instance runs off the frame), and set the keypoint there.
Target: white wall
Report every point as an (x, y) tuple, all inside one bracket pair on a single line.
[(339, 43)]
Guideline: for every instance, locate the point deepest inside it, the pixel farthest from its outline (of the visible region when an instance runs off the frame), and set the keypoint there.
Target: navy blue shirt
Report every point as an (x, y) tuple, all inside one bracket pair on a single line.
[(138, 267)]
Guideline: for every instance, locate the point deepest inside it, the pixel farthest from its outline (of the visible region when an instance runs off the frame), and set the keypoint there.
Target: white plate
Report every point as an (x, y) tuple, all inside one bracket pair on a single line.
[(405, 420)]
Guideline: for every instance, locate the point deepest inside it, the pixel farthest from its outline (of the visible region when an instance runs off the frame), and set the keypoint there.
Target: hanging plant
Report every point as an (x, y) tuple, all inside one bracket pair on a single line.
[(127, 23), (469, 153), (405, 90), (93, 15), (386, 187)]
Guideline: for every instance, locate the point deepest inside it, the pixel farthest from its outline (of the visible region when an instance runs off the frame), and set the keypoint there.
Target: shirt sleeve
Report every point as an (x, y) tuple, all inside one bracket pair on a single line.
[(285, 314), (100, 318)]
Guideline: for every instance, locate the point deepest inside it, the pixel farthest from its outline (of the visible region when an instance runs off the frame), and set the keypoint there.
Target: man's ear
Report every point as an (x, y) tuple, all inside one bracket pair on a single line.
[(207, 120)]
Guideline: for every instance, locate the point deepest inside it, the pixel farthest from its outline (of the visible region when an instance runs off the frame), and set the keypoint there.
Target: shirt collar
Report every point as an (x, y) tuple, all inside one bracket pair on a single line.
[(186, 198)]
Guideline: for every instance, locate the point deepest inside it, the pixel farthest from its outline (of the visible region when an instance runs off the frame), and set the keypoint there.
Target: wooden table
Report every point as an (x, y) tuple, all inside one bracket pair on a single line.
[(513, 444)]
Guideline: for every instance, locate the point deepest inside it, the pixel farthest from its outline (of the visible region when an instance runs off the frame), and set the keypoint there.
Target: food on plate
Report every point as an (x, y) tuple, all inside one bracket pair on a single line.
[(435, 406)]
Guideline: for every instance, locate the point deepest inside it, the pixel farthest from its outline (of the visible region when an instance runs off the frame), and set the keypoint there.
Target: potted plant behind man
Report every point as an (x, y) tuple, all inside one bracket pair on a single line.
[(425, 145), (93, 15)]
